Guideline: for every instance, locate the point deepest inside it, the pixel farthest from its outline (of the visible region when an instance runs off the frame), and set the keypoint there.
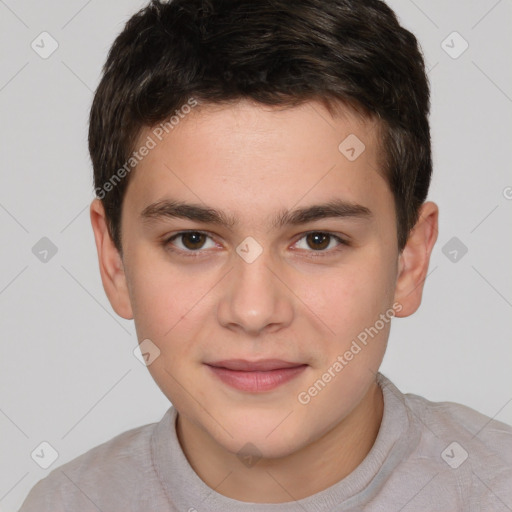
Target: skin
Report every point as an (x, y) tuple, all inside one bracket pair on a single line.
[(251, 161)]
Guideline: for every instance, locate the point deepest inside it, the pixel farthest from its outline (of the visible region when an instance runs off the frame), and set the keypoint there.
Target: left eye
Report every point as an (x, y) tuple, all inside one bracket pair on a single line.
[(320, 241)]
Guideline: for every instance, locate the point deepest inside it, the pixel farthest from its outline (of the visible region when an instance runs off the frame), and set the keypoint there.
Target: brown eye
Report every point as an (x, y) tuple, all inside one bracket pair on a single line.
[(321, 242), (190, 241), (193, 240), (318, 241)]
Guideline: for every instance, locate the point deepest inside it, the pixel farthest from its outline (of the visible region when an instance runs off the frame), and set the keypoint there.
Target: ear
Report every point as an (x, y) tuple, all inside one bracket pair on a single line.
[(111, 265), (414, 260)]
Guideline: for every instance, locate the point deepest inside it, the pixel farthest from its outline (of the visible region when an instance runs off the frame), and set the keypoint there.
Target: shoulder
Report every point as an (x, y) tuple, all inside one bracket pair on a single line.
[(484, 434), (107, 471), (473, 451)]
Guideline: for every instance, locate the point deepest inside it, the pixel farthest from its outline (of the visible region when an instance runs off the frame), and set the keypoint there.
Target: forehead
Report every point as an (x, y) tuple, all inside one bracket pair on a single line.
[(248, 156)]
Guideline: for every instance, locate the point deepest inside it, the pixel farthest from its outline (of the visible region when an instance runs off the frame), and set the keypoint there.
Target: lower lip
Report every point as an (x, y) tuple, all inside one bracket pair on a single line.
[(255, 382)]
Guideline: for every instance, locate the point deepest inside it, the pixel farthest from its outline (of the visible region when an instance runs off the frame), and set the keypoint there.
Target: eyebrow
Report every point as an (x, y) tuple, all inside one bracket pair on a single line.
[(337, 208)]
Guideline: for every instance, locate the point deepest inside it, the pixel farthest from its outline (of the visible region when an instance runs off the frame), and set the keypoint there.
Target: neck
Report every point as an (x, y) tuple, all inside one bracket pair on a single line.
[(303, 473)]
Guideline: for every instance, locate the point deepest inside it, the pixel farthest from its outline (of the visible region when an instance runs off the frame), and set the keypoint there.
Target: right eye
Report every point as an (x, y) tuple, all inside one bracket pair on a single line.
[(188, 241)]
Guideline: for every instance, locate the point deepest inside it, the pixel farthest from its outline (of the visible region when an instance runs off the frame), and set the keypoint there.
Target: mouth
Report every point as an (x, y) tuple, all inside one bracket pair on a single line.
[(255, 376)]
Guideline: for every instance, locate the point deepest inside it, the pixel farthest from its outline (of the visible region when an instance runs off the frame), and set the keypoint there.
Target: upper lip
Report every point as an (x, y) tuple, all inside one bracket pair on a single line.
[(254, 366)]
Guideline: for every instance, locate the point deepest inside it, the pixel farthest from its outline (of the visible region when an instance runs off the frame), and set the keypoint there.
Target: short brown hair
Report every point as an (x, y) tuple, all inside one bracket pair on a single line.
[(275, 52)]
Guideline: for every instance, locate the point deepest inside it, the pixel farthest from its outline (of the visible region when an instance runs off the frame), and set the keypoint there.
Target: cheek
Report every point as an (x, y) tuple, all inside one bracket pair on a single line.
[(167, 306), (353, 296), (163, 296), (352, 303)]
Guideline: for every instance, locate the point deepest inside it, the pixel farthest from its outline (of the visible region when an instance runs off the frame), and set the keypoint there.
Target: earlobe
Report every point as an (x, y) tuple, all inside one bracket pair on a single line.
[(414, 260), (111, 265)]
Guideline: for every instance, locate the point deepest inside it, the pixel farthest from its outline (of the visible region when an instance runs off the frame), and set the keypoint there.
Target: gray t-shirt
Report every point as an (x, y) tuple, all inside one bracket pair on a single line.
[(427, 457)]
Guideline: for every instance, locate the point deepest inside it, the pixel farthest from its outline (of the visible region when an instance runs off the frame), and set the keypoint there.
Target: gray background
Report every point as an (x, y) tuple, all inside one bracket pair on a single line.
[(67, 370)]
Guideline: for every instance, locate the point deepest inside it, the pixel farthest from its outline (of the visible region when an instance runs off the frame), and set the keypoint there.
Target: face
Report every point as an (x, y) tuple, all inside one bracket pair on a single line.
[(256, 255)]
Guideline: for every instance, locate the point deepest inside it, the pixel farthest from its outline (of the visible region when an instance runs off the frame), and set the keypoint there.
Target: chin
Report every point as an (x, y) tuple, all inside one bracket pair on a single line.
[(263, 447), (270, 439)]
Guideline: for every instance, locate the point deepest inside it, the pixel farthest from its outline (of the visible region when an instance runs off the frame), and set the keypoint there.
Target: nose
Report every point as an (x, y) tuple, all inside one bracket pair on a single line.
[(255, 297)]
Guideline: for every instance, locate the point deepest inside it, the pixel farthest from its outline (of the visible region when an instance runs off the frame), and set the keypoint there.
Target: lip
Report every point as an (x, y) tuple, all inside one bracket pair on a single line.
[(263, 365), (256, 376)]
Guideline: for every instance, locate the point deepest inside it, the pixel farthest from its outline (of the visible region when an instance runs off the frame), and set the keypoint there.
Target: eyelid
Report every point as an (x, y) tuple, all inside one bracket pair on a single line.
[(342, 242), (168, 245)]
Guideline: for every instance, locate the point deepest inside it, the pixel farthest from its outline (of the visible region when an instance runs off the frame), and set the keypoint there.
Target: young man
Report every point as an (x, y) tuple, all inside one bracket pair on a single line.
[(261, 171)]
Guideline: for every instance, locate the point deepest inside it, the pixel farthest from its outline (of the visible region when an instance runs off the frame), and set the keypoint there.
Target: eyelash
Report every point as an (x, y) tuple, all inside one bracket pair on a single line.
[(195, 254)]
